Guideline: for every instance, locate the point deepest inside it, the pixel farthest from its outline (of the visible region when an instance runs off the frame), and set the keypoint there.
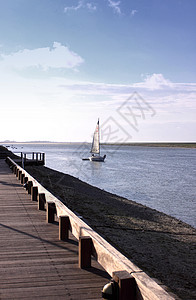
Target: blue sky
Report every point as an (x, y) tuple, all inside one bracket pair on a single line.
[(64, 63)]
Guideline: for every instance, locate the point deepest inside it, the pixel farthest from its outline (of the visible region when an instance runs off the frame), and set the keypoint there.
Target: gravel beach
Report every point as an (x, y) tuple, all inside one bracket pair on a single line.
[(164, 247)]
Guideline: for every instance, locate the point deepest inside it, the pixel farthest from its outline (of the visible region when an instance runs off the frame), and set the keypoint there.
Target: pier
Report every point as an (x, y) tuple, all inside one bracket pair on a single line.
[(31, 158), (49, 252)]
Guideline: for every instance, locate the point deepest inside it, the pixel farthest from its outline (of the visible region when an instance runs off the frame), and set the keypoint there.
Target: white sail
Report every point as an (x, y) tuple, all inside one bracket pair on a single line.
[(95, 144)]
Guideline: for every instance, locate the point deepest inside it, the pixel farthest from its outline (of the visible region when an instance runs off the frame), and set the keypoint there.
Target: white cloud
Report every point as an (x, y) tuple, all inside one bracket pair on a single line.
[(54, 106), (154, 82), (91, 6), (58, 56), (155, 88), (75, 8), (81, 4), (115, 6), (172, 102), (133, 12)]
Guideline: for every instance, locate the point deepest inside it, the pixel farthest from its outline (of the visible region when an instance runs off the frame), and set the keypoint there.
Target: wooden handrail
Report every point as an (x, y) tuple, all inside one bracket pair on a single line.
[(106, 255)]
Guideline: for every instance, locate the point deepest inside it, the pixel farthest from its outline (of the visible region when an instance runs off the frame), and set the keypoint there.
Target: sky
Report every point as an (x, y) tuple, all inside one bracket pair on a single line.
[(66, 63)]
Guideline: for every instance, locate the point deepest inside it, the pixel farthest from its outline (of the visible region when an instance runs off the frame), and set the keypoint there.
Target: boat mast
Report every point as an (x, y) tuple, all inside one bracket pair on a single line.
[(98, 135)]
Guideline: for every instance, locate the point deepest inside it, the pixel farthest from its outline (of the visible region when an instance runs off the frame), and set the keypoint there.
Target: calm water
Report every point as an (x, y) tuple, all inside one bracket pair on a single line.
[(161, 178)]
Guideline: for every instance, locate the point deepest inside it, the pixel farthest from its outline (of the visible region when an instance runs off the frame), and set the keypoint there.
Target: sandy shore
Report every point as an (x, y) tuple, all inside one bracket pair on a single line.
[(162, 246)]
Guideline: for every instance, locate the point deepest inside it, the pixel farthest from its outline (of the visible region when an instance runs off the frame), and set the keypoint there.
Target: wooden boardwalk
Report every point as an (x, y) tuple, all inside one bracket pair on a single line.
[(34, 264)]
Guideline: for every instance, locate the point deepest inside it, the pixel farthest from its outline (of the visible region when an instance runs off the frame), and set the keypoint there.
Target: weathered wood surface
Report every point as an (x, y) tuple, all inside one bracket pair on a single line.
[(34, 264)]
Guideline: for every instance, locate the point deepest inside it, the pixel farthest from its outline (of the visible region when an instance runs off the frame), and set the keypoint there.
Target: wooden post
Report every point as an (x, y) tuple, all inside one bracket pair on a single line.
[(43, 158), (64, 227), (34, 193), (85, 249), (41, 201), (22, 178), (127, 285), (29, 185), (17, 170), (14, 169), (22, 161), (25, 181), (19, 174), (50, 212)]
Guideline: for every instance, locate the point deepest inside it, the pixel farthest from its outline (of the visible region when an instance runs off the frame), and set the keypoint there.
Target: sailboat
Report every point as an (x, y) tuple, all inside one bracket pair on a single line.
[(95, 149)]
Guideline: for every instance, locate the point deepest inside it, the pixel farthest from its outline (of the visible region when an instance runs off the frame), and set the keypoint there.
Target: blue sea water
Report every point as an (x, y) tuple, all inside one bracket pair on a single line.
[(161, 178)]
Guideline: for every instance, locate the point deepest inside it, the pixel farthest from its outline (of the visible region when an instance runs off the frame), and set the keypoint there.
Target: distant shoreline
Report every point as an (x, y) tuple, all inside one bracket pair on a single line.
[(169, 145), (142, 144)]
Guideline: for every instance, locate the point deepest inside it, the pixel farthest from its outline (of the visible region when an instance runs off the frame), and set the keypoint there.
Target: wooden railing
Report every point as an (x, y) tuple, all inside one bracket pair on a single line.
[(133, 282)]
